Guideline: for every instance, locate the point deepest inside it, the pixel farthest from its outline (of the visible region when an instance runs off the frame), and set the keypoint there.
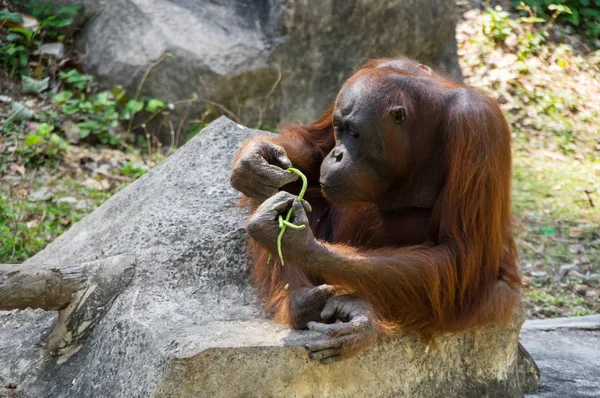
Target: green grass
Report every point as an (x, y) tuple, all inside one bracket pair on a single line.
[(554, 190), (557, 224), (27, 225)]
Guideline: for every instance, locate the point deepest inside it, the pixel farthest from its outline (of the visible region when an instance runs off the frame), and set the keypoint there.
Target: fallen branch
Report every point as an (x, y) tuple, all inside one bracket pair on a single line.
[(34, 287), (81, 293)]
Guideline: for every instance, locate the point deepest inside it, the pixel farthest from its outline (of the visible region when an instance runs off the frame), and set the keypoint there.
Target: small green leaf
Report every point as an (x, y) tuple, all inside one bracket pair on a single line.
[(154, 105), (10, 16), (560, 8), (58, 23), (28, 33), (118, 92), (55, 138), (86, 106), (32, 139), (24, 59), (134, 106), (69, 10), (44, 129), (532, 20), (84, 133), (62, 97), (77, 79), (103, 100), (91, 125), (547, 231), (70, 108)]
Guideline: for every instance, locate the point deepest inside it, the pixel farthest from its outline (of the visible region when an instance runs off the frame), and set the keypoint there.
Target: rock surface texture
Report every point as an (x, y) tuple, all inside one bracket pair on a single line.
[(187, 325), (269, 60), (567, 351)]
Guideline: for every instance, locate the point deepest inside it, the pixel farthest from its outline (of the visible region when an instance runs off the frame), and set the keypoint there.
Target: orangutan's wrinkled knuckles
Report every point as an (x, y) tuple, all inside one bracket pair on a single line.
[(263, 225), (259, 170), (300, 209), (348, 343), (306, 304), (354, 332)]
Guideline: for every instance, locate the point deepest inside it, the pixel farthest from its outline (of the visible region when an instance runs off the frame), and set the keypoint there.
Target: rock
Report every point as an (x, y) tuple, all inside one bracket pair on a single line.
[(529, 373), (593, 280), (581, 289), (41, 195), (55, 50), (567, 350), (188, 323), (267, 59), (67, 199), (563, 271), (72, 131), (590, 322), (99, 185), (576, 275), (577, 249)]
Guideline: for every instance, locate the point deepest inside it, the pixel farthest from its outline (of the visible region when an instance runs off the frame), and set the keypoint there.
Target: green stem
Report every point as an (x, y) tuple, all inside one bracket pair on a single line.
[(291, 225), (285, 223)]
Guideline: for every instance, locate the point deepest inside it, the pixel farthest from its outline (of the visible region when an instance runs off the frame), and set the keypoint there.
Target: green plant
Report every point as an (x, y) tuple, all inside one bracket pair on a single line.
[(26, 226), (100, 115), (497, 24), (532, 38), (285, 222), (17, 42), (130, 169), (52, 17), (584, 15), (77, 80), (498, 27), (97, 115), (43, 146), (14, 42)]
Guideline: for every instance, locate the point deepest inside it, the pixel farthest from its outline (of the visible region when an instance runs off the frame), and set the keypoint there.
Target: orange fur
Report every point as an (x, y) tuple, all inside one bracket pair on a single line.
[(464, 275)]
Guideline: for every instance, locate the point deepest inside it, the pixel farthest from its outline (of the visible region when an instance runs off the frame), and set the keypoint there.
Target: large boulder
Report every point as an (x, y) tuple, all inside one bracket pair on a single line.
[(268, 60), (188, 325)]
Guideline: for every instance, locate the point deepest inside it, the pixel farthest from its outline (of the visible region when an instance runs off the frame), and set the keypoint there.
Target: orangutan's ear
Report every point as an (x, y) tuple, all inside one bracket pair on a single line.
[(426, 68), (399, 114)]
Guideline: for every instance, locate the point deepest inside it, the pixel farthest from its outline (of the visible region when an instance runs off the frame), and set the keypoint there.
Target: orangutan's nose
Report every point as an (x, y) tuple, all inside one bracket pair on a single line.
[(337, 154)]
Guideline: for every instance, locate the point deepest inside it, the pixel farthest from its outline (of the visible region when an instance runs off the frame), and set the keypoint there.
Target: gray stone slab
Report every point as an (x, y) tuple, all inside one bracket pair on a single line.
[(567, 350), (590, 322)]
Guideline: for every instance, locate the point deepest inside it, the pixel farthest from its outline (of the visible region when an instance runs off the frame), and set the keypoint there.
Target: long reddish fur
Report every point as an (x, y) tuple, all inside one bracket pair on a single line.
[(467, 280)]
